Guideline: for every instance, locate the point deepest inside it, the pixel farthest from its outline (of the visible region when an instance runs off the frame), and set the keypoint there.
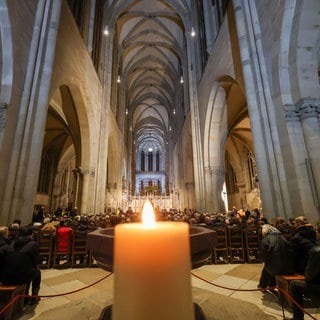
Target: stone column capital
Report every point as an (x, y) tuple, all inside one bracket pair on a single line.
[(308, 108), (87, 170), (215, 170)]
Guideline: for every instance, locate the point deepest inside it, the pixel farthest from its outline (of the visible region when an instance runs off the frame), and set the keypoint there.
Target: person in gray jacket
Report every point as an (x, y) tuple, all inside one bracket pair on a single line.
[(277, 254)]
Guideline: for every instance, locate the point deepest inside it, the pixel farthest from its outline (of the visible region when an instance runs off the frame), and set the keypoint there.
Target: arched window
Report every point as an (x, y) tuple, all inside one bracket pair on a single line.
[(158, 161), (150, 161), (44, 176), (142, 166), (253, 175), (231, 179)]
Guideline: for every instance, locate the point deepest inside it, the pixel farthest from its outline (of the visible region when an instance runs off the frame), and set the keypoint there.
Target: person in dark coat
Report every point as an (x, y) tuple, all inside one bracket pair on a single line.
[(277, 255), (4, 233), (311, 285), (38, 215), (21, 263), (303, 240), (4, 245)]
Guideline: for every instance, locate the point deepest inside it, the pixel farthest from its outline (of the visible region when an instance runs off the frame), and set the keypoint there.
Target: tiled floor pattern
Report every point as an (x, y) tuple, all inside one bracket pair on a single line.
[(88, 303)]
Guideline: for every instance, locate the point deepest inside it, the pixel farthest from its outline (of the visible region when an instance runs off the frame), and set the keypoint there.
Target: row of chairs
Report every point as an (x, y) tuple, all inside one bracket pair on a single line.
[(75, 253), (240, 244), (236, 244)]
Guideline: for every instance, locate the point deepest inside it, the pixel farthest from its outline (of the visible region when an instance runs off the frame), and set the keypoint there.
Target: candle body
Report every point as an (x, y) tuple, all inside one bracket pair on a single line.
[(152, 272)]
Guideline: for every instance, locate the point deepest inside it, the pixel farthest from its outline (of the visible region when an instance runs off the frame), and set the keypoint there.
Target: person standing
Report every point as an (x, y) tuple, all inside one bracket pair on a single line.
[(38, 215)]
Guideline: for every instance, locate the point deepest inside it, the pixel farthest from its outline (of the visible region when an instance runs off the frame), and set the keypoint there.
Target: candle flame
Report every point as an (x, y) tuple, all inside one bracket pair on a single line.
[(148, 218)]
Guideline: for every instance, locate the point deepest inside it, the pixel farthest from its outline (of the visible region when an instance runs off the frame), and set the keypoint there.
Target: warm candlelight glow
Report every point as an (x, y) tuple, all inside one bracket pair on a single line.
[(148, 218), (152, 270)]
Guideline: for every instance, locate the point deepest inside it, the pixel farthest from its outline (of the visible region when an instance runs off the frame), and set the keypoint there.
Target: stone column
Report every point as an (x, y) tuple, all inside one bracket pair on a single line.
[(215, 176), (76, 188), (260, 105), (21, 183), (87, 175), (301, 183), (188, 197), (199, 183), (101, 164), (309, 109), (91, 26)]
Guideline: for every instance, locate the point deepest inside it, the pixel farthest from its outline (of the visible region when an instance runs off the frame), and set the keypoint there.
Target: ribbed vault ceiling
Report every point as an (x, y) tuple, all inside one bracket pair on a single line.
[(150, 44)]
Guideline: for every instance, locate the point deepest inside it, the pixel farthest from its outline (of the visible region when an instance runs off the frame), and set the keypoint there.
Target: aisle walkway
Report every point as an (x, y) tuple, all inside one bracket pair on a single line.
[(88, 303)]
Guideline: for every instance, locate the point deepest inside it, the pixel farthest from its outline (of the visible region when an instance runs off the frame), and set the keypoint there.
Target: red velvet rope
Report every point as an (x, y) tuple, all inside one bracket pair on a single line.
[(259, 289), (12, 301)]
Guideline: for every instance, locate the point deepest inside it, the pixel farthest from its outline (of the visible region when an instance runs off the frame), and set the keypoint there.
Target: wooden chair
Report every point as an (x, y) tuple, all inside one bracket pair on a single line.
[(283, 283), (79, 251), (252, 238), (236, 244), (7, 293), (92, 263), (46, 247), (220, 250)]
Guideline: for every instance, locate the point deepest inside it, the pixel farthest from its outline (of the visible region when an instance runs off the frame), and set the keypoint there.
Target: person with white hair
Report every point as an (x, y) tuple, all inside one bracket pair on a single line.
[(277, 255), (49, 226)]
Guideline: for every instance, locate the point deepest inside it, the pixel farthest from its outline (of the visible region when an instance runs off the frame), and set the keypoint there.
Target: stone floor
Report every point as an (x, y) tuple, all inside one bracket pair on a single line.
[(75, 294)]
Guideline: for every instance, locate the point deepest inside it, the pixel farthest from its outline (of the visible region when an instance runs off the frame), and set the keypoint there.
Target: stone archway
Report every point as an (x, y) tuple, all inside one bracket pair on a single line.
[(228, 147), (66, 154), (215, 133)]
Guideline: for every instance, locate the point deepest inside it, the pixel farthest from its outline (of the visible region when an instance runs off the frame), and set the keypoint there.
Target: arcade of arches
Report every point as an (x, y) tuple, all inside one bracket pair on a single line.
[(197, 104)]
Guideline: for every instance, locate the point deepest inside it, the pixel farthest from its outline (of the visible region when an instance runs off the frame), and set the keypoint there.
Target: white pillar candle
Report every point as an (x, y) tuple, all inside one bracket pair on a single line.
[(152, 270)]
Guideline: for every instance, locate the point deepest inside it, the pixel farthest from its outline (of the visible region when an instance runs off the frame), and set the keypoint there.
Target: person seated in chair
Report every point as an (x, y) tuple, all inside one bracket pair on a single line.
[(21, 264), (48, 226), (4, 244), (64, 233), (311, 284), (303, 240), (63, 242)]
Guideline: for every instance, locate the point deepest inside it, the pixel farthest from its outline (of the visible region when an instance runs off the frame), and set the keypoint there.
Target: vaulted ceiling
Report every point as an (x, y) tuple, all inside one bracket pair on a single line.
[(150, 56)]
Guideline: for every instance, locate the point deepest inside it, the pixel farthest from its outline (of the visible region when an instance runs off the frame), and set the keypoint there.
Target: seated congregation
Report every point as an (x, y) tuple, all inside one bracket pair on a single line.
[(59, 241), (295, 263)]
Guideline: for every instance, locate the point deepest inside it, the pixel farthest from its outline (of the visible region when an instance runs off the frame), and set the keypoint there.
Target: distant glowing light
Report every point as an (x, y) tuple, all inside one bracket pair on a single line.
[(106, 30)]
